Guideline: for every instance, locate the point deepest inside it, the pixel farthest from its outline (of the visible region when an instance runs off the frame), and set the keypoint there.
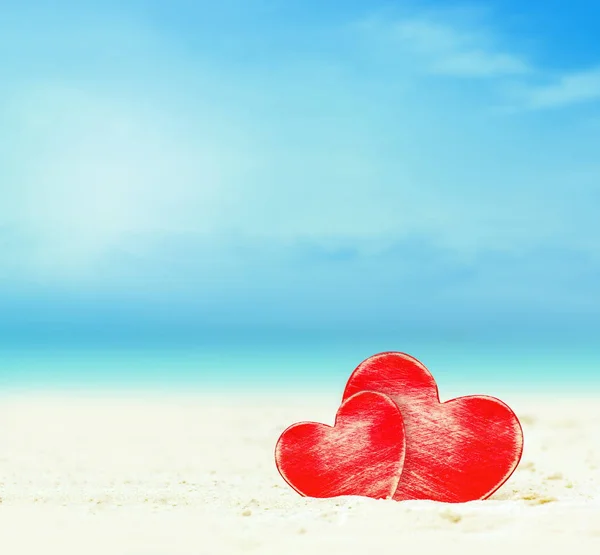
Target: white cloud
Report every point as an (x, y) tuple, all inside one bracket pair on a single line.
[(445, 45), (567, 89), (462, 46), (457, 51)]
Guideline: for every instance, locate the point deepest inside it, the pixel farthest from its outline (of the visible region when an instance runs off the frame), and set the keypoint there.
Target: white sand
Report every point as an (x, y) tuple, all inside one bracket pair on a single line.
[(184, 475)]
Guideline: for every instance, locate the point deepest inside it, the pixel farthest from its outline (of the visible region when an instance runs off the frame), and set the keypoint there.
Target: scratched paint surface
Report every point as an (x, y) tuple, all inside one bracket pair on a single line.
[(362, 454), (460, 450)]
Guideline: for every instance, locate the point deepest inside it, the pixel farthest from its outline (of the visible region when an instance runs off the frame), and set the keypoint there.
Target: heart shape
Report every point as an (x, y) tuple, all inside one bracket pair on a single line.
[(362, 454), (457, 451)]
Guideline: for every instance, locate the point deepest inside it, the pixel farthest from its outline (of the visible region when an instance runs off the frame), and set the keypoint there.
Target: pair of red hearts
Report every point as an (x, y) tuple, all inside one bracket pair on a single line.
[(393, 438)]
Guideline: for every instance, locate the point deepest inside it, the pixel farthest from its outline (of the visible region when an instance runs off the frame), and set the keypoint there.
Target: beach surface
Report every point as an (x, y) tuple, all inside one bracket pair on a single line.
[(195, 474)]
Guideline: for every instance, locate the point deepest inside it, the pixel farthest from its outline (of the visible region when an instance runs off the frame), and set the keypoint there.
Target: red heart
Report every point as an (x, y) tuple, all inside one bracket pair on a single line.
[(457, 451), (362, 454)]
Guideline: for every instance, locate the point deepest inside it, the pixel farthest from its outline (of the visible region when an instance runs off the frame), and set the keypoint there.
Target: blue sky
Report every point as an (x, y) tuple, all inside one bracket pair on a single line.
[(314, 167)]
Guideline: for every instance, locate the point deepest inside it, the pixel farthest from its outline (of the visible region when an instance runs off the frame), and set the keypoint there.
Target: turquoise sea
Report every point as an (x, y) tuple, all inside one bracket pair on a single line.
[(312, 366)]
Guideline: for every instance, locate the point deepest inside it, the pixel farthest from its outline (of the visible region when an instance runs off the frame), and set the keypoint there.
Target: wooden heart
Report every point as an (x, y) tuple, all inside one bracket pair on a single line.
[(457, 451), (362, 454)]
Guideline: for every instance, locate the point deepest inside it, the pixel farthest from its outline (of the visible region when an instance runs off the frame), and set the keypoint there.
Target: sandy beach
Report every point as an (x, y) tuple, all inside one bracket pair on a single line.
[(194, 474)]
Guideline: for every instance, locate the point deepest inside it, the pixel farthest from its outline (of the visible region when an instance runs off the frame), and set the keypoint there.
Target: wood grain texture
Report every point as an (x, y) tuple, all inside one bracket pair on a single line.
[(457, 451), (362, 454)]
